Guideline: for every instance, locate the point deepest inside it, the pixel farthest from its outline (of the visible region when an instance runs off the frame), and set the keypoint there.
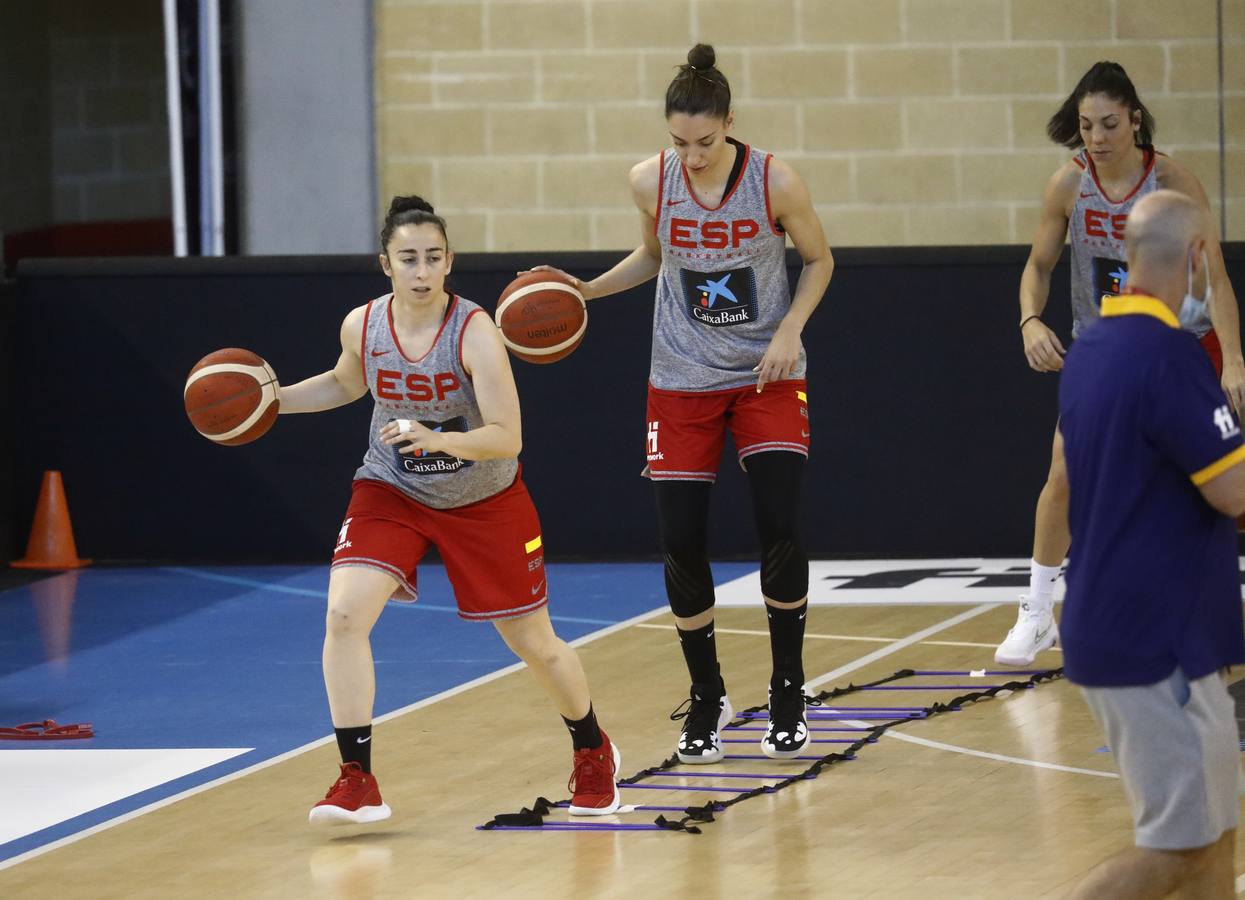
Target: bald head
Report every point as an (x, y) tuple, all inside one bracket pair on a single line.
[(1160, 229)]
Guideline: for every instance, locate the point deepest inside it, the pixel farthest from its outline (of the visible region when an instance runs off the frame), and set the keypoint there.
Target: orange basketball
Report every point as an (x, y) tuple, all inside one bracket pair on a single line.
[(232, 396), (542, 317)]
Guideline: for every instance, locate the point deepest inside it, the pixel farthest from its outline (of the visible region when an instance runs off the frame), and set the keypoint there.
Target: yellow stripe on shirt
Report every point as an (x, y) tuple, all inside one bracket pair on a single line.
[(1201, 476), (534, 544)]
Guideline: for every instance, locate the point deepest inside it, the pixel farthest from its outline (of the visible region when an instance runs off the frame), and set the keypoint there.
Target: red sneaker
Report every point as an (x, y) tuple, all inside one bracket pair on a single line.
[(593, 791), (354, 799)]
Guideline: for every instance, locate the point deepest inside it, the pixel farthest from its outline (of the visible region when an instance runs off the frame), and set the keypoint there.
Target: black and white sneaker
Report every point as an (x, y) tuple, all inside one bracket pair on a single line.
[(705, 714), (787, 733)]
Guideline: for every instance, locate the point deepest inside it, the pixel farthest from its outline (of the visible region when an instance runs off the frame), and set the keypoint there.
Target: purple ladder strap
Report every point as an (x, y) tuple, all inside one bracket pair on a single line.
[(813, 741), (836, 717), (746, 756), (759, 728), (571, 826), (989, 672), (834, 708), (935, 687), (669, 774), (682, 787), (641, 808)]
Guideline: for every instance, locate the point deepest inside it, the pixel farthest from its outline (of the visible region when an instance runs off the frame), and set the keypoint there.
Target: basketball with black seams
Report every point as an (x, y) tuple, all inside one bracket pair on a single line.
[(542, 317), (232, 396)]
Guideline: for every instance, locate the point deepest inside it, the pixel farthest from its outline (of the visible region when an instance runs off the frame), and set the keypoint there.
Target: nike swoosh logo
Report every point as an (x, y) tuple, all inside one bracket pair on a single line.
[(1042, 634), (536, 590), (363, 740), (803, 614), (675, 202), (381, 352), (710, 634), (804, 433)]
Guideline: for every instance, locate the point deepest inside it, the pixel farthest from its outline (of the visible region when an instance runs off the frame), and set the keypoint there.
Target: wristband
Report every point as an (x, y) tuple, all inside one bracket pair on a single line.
[(1026, 319)]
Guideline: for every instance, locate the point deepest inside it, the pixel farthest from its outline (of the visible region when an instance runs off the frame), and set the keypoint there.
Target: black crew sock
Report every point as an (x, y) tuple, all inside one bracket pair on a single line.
[(786, 644), (585, 732), (355, 745), (700, 651)]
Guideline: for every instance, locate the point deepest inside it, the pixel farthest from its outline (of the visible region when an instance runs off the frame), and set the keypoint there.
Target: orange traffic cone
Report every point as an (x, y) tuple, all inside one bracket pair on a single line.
[(51, 544)]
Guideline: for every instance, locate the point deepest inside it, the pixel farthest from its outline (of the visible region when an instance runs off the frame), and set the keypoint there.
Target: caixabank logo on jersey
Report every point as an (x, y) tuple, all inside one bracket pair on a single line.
[(1110, 277), (721, 299), (423, 463)]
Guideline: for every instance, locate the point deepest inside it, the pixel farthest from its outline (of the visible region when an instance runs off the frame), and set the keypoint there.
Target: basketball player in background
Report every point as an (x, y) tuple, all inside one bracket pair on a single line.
[(1091, 196), (441, 469), (726, 355)]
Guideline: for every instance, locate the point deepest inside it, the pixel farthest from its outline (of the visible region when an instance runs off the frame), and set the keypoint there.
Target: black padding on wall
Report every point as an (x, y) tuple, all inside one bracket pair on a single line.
[(931, 436)]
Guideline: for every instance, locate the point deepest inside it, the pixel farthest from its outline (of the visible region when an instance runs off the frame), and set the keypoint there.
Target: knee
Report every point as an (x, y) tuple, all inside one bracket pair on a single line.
[(339, 622), (539, 653), (784, 569)]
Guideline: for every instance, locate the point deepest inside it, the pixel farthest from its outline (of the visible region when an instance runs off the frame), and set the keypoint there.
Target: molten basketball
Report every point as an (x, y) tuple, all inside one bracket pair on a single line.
[(232, 396), (542, 317)]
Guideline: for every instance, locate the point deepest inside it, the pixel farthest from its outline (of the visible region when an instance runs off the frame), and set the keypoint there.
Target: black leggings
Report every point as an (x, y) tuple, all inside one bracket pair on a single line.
[(683, 522)]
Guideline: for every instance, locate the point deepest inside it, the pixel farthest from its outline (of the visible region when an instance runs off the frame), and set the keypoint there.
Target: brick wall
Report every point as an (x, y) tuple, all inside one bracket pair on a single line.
[(25, 189), (109, 132), (913, 121)]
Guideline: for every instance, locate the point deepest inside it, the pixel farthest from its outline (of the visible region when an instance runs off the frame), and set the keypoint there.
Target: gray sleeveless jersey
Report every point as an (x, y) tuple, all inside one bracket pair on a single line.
[(436, 391), (1097, 235), (722, 289)]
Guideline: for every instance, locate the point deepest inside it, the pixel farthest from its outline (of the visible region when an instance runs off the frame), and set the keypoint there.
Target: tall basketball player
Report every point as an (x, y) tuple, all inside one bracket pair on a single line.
[(726, 356), (441, 469), (1090, 196)]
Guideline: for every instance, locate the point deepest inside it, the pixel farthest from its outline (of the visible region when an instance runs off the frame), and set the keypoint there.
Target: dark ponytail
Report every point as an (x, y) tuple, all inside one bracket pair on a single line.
[(699, 88), (1107, 78), (409, 211)]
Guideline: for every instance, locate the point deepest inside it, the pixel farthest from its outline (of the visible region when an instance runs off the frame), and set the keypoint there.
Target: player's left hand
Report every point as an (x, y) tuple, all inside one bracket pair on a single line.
[(416, 436), (780, 359), (1233, 383)]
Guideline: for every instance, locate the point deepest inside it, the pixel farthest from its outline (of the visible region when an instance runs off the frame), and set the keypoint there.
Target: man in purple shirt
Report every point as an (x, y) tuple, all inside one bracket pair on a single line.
[(1153, 613)]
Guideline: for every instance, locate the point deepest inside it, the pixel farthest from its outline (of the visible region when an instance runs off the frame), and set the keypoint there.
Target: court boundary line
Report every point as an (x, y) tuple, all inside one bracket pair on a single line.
[(844, 637), (998, 757), (915, 638), (122, 818)]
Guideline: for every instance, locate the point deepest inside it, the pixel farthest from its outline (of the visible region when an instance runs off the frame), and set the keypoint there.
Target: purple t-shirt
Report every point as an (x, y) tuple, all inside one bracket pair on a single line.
[(1153, 577)]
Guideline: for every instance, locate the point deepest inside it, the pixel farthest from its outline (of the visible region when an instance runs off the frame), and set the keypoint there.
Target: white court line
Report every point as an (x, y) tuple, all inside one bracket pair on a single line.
[(298, 751), (843, 637), (914, 638), (938, 745)]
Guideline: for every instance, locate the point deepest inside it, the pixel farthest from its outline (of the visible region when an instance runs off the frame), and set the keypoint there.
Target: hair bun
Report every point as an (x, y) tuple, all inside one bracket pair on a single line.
[(408, 204), (701, 57)]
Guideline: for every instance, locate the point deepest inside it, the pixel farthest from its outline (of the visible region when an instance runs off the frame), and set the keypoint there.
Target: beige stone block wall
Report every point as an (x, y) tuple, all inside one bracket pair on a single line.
[(912, 121)]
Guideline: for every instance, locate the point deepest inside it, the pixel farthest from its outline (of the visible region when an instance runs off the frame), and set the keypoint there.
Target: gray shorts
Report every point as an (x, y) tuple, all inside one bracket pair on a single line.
[(1178, 752)]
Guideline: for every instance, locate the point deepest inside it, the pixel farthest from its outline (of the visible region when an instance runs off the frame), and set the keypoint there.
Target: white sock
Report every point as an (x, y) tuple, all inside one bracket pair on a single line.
[(1042, 584)]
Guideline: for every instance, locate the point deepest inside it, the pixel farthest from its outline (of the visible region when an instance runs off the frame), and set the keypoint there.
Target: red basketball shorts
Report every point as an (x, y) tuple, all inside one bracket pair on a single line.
[(491, 549), (686, 429), (1210, 343)]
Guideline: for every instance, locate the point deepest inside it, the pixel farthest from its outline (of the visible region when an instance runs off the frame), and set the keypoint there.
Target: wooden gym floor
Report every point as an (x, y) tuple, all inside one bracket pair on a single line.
[(1011, 797)]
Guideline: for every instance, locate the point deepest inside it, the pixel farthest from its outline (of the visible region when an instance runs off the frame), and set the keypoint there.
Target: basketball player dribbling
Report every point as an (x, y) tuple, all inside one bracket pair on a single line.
[(1091, 196), (441, 469), (726, 356)]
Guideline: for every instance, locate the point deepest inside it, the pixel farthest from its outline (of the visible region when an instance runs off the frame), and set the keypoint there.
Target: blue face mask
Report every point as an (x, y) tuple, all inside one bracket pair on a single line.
[(1193, 310)]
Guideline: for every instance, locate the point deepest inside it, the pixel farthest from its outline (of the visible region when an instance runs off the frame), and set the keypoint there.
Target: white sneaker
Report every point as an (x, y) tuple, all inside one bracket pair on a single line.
[(1034, 631)]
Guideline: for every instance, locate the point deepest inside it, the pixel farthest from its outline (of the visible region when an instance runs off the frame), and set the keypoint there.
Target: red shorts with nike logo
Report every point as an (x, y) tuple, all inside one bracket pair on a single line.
[(687, 429), (491, 549)]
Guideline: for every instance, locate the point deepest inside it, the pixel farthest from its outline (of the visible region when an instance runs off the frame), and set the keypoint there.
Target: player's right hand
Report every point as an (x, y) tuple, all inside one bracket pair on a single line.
[(1042, 347), (581, 286)]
